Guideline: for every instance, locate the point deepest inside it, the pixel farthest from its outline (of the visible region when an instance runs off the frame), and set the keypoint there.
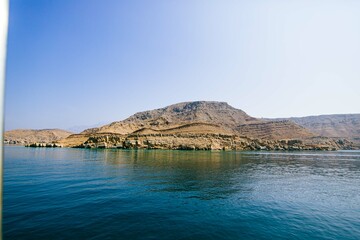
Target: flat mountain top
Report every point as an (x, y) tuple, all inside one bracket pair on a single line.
[(24, 136)]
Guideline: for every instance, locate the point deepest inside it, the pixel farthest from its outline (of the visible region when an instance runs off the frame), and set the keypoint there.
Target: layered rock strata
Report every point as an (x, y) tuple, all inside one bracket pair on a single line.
[(202, 125), (203, 142)]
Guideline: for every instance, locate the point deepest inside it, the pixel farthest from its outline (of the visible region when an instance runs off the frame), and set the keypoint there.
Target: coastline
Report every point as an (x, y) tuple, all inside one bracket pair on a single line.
[(197, 142)]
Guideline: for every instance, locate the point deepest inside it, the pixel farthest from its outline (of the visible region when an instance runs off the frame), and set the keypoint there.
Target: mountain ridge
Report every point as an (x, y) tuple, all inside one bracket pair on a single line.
[(26, 136), (196, 125), (201, 125), (178, 114), (330, 125)]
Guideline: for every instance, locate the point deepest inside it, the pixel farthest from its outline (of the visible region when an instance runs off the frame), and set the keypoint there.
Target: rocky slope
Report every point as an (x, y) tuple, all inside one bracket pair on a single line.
[(274, 130), (201, 125), (26, 136), (206, 115), (337, 125), (218, 113), (207, 141)]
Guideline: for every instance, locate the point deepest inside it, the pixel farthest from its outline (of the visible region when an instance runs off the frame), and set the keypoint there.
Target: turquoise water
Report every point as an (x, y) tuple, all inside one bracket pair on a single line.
[(150, 194)]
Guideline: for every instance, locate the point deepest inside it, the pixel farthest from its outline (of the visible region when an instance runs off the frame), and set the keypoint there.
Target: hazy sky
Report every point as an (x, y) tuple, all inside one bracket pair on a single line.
[(80, 62)]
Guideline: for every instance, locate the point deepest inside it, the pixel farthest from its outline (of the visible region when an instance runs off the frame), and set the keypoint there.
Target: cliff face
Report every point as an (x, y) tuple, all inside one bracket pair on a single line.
[(208, 142), (199, 141), (26, 136)]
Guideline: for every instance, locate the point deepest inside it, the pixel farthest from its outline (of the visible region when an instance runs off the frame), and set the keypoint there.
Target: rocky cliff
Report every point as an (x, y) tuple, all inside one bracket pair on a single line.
[(208, 141)]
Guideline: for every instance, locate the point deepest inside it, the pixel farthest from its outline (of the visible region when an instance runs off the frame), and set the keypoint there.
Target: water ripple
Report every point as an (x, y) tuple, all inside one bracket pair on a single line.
[(117, 194)]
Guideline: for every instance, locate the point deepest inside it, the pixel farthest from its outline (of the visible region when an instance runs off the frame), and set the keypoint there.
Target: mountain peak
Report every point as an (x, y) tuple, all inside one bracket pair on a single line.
[(201, 116), (213, 112)]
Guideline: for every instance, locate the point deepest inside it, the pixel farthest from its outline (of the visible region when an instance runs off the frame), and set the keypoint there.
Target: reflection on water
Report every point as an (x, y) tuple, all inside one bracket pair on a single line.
[(159, 194)]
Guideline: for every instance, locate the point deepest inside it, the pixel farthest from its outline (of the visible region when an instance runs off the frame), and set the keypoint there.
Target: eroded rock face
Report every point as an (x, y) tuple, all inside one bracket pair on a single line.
[(207, 142), (274, 130)]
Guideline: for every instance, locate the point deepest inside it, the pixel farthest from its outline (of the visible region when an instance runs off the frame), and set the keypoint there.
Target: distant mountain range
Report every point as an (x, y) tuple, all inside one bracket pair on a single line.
[(336, 125), (216, 125), (26, 136)]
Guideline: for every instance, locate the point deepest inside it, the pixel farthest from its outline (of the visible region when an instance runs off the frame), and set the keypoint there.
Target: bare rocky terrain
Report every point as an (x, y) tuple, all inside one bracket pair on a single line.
[(216, 113), (27, 136), (202, 125), (336, 125), (204, 117), (208, 125)]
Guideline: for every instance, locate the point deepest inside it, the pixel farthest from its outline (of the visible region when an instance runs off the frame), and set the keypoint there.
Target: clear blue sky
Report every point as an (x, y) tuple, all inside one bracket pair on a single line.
[(80, 62)]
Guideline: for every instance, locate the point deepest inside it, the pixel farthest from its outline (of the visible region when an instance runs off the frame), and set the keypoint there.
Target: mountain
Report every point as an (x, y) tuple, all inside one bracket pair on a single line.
[(203, 117), (26, 136), (201, 125), (198, 125), (218, 113), (336, 125)]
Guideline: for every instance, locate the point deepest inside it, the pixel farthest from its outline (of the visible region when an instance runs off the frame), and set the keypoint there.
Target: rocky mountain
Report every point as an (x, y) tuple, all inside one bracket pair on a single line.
[(336, 125), (218, 113), (204, 117), (200, 120), (26, 136), (201, 125), (274, 130)]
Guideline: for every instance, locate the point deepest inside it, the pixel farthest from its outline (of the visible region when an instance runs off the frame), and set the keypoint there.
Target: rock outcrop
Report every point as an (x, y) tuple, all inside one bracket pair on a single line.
[(209, 141)]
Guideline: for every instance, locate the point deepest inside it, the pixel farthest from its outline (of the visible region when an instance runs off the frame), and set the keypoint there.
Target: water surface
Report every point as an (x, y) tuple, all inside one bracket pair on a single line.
[(151, 194)]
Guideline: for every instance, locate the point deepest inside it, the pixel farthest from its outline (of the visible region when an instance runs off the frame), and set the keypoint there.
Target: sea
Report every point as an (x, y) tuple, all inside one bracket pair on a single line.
[(63, 193)]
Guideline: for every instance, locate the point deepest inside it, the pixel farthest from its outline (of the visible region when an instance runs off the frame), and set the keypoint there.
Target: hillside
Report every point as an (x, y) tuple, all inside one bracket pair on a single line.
[(196, 128), (211, 125), (25, 136), (202, 116), (274, 130), (218, 113), (194, 119), (336, 125)]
